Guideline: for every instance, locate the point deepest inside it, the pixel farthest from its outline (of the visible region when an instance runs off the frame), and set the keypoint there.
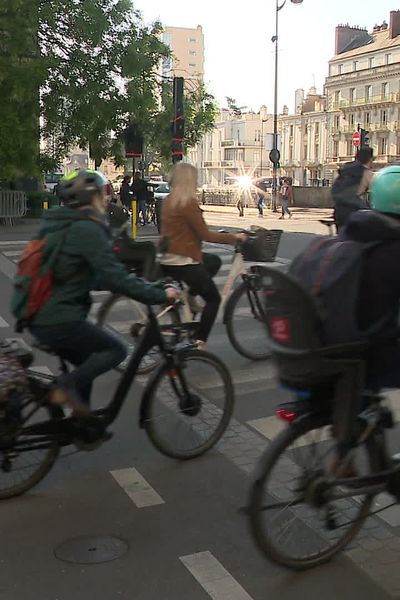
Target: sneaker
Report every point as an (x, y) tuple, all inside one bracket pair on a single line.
[(60, 397), (201, 345)]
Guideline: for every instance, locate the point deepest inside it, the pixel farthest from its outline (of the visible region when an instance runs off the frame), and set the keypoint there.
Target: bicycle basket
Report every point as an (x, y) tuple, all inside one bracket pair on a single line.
[(263, 246)]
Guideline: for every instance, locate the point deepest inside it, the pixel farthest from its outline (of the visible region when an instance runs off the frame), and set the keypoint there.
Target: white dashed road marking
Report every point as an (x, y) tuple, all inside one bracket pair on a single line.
[(3, 323), (137, 488), (213, 577)]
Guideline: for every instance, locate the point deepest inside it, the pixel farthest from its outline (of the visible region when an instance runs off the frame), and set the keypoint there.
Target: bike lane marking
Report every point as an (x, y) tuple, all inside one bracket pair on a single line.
[(3, 323), (213, 577), (137, 488)]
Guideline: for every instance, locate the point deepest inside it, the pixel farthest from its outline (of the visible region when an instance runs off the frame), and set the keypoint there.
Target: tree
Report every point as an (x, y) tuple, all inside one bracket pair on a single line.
[(102, 69), (233, 107), (22, 72)]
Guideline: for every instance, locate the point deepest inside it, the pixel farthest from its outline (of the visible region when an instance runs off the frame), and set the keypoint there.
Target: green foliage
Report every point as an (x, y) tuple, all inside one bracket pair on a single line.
[(200, 111), (87, 68)]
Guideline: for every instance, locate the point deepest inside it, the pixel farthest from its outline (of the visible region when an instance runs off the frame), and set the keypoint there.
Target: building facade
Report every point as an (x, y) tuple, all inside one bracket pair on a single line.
[(187, 47), (238, 145), (304, 140), (363, 90)]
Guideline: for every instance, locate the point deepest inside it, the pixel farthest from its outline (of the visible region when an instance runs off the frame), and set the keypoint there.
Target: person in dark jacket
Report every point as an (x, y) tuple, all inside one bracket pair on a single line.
[(139, 189), (125, 192), (350, 188), (85, 262), (379, 299)]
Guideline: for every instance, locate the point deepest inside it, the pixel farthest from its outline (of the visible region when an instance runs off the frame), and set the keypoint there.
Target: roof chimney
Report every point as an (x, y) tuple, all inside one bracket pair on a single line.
[(346, 34), (394, 23)]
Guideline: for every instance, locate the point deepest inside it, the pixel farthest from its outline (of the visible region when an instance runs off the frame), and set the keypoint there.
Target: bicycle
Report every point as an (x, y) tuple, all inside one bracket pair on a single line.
[(175, 411), (241, 310), (308, 502)]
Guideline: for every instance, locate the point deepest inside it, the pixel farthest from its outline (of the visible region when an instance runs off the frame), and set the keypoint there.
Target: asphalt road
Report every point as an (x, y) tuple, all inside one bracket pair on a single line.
[(189, 541)]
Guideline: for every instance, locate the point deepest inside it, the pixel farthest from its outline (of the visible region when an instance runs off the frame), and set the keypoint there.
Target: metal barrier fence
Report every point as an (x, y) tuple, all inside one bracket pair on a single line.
[(13, 205)]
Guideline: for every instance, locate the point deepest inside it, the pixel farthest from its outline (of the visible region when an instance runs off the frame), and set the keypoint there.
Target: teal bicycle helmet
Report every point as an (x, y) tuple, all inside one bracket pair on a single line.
[(385, 190), (78, 187)]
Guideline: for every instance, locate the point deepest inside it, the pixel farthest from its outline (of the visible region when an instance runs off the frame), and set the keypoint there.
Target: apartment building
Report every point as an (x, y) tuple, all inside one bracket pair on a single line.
[(187, 46), (239, 144), (304, 139), (363, 89)]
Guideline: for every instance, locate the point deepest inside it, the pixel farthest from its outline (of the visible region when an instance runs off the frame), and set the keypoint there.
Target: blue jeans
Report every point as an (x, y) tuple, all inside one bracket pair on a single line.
[(92, 350)]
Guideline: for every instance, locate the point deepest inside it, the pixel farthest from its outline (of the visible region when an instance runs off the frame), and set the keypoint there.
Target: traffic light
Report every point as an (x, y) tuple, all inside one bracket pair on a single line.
[(133, 141), (364, 138), (178, 121)]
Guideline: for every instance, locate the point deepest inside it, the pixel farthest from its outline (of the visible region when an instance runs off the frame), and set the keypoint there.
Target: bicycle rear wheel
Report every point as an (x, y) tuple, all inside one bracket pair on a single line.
[(292, 521), (26, 456), (245, 323), (127, 319), (185, 423)]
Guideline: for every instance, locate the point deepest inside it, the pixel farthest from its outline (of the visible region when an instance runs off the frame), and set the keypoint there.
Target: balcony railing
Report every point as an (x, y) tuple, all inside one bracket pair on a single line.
[(382, 126), (371, 100), (227, 143)]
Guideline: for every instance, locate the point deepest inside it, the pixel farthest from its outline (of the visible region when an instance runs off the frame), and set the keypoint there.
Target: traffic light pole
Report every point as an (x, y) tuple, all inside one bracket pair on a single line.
[(178, 122)]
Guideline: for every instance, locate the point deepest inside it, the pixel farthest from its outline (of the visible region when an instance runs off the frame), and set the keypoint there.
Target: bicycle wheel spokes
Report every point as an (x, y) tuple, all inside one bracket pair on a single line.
[(190, 406), (294, 520), (126, 319), (26, 458), (246, 326)]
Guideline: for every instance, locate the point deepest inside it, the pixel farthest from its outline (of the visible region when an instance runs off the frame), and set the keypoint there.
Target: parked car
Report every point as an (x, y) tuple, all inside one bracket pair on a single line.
[(161, 191)]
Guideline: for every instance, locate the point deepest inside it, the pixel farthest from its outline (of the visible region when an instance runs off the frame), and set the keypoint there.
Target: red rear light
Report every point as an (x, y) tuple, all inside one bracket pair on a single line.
[(116, 249), (286, 415), (280, 329)]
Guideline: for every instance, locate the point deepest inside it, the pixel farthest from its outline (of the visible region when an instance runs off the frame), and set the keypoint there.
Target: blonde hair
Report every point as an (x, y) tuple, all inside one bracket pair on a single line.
[(183, 182)]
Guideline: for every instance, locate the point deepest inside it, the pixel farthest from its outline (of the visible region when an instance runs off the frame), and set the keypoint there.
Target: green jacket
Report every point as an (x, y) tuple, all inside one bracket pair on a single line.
[(86, 262)]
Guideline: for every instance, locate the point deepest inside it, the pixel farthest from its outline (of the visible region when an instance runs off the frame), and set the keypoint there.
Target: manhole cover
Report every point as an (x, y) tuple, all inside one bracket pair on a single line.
[(91, 550)]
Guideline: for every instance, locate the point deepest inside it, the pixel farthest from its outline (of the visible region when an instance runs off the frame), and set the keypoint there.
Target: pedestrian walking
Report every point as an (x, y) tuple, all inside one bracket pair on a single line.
[(240, 206), (287, 195), (139, 189), (260, 204)]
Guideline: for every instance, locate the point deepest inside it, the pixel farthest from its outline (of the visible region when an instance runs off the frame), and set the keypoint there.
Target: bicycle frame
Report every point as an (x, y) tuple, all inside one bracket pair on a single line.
[(64, 429)]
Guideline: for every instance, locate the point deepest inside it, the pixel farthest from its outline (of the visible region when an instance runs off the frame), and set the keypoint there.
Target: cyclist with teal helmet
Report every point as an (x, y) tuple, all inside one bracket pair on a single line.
[(379, 298), (84, 262)]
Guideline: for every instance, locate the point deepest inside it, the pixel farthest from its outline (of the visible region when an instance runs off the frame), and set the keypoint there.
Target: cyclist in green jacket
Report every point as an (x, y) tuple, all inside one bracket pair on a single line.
[(85, 262)]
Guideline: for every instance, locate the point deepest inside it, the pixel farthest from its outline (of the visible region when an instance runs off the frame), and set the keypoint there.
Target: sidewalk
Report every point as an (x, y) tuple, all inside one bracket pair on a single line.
[(304, 220)]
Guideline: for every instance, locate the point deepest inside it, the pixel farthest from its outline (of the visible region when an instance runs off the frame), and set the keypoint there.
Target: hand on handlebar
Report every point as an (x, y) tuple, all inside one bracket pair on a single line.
[(241, 237), (173, 294)]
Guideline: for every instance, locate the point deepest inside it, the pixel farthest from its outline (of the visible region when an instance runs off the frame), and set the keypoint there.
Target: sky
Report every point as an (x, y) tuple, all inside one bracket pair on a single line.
[(240, 53)]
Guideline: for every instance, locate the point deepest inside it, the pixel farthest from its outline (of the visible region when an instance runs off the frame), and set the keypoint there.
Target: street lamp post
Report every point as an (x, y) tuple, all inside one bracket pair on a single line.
[(275, 153)]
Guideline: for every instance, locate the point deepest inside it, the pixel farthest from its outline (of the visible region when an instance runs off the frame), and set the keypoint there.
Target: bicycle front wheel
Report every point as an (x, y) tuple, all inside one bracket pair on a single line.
[(189, 405), (245, 323), (127, 319), (293, 519), (26, 456)]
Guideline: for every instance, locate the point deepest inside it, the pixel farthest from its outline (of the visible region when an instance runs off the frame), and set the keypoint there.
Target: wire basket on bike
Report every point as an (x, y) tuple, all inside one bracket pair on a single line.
[(263, 246)]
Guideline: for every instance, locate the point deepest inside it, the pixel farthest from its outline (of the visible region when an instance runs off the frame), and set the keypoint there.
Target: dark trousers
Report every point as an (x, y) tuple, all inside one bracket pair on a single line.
[(89, 348), (199, 279)]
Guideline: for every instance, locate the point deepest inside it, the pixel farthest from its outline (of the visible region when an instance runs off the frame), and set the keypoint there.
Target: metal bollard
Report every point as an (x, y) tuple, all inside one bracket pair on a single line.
[(134, 219)]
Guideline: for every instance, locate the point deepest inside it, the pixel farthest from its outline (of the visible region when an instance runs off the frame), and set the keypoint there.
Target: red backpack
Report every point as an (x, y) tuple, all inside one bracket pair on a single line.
[(33, 283)]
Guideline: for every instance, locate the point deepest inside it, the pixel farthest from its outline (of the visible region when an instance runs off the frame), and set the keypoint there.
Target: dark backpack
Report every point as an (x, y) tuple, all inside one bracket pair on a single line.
[(330, 271), (346, 185), (33, 283)]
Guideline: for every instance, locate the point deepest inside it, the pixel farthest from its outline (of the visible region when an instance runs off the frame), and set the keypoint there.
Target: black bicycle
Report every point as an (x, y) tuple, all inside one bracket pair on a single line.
[(185, 408), (316, 482)]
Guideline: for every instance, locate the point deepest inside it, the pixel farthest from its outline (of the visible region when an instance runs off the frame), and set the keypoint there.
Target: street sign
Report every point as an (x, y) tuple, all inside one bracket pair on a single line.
[(356, 139), (274, 156)]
